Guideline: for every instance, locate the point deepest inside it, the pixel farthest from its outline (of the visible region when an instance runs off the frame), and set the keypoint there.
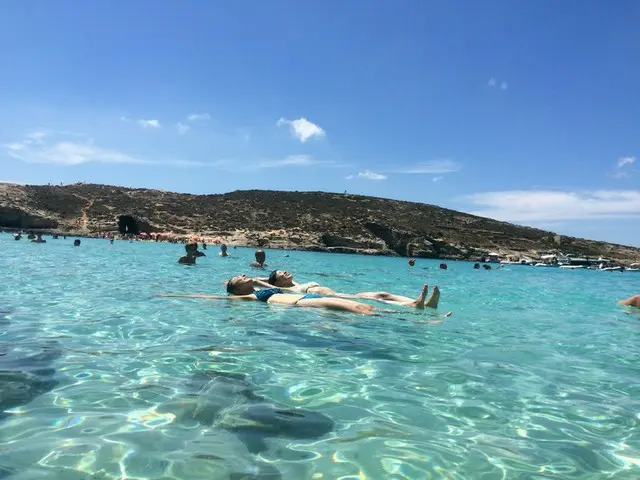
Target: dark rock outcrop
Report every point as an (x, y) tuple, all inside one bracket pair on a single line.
[(11, 217)]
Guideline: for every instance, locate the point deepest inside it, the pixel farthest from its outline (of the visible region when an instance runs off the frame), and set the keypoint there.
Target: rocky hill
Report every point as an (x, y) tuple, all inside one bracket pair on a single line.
[(303, 220)]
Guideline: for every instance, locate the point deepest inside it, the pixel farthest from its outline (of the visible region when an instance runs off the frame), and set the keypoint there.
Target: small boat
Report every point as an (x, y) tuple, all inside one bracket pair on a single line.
[(634, 267), (610, 269), (573, 267)]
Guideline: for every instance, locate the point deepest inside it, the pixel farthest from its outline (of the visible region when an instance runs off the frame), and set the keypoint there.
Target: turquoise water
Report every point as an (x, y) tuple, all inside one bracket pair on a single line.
[(536, 375)]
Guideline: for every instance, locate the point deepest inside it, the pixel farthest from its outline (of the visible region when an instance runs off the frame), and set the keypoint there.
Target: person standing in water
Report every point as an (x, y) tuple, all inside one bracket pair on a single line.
[(223, 251), (261, 257), (191, 250), (39, 239)]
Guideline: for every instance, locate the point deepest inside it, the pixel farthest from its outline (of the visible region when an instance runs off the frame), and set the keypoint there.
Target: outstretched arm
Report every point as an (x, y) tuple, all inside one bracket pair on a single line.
[(261, 282), (214, 297)]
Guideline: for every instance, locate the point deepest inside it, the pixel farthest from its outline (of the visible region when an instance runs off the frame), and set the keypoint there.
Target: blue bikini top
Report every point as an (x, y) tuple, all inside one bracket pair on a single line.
[(266, 293)]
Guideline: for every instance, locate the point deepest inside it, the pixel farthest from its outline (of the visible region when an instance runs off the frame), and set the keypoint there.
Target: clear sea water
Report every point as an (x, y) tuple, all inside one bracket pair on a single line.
[(536, 374)]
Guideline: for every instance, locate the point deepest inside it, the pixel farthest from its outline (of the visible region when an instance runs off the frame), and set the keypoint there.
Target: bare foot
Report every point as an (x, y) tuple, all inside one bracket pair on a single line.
[(419, 302), (434, 298)]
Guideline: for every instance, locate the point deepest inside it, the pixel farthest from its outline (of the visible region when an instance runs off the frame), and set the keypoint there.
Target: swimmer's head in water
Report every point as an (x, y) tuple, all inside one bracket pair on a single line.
[(260, 256), (191, 247), (76, 242), (280, 278), (240, 285), (223, 247)]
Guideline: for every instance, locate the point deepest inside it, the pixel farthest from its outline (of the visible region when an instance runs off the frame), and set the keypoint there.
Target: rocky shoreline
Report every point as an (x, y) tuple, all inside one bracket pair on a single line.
[(314, 221)]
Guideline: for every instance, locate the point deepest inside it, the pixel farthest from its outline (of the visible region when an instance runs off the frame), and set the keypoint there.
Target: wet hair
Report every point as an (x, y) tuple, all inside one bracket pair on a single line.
[(273, 277), (191, 245), (231, 287), (223, 247), (260, 253)]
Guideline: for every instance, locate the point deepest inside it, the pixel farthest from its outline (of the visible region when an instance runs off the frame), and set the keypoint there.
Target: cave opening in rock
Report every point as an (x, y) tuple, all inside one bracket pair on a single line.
[(128, 224)]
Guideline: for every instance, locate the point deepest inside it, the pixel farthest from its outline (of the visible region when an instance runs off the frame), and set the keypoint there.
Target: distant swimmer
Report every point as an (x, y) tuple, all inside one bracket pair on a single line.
[(412, 262), (17, 236), (261, 257), (631, 301), (476, 266), (76, 242), (443, 266), (223, 251), (39, 239), (190, 257)]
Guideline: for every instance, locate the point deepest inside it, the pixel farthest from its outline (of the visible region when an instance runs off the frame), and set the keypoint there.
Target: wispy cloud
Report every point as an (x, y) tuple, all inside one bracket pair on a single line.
[(199, 117), (367, 175), (293, 161), (494, 83), (437, 179), (182, 128), (623, 167), (13, 182), (432, 167), (302, 129), (549, 205), (149, 123), (59, 148)]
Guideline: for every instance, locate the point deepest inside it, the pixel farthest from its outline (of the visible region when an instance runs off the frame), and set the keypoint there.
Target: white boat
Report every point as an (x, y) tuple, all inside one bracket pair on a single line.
[(610, 269), (572, 267), (634, 267)]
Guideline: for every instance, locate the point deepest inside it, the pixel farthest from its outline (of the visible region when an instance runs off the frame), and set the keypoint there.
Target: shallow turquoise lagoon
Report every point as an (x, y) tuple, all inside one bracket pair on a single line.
[(536, 374)]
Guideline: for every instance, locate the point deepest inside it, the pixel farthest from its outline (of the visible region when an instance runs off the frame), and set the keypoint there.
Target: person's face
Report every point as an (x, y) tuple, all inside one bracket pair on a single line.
[(242, 284), (283, 277)]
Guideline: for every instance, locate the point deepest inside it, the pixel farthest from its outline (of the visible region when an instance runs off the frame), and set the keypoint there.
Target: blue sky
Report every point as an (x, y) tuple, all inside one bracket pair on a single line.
[(522, 111)]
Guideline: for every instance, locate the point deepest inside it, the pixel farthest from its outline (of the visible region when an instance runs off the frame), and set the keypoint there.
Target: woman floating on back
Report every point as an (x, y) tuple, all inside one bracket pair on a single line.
[(284, 280), (241, 287)]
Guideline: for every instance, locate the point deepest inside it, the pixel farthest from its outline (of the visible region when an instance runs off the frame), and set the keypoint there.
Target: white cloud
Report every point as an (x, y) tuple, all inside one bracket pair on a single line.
[(292, 161), (624, 161), (548, 205), (149, 123), (495, 83), (302, 129), (199, 117), (349, 177), (57, 149), (437, 179), (13, 182), (369, 175), (623, 167), (182, 128), (436, 166)]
